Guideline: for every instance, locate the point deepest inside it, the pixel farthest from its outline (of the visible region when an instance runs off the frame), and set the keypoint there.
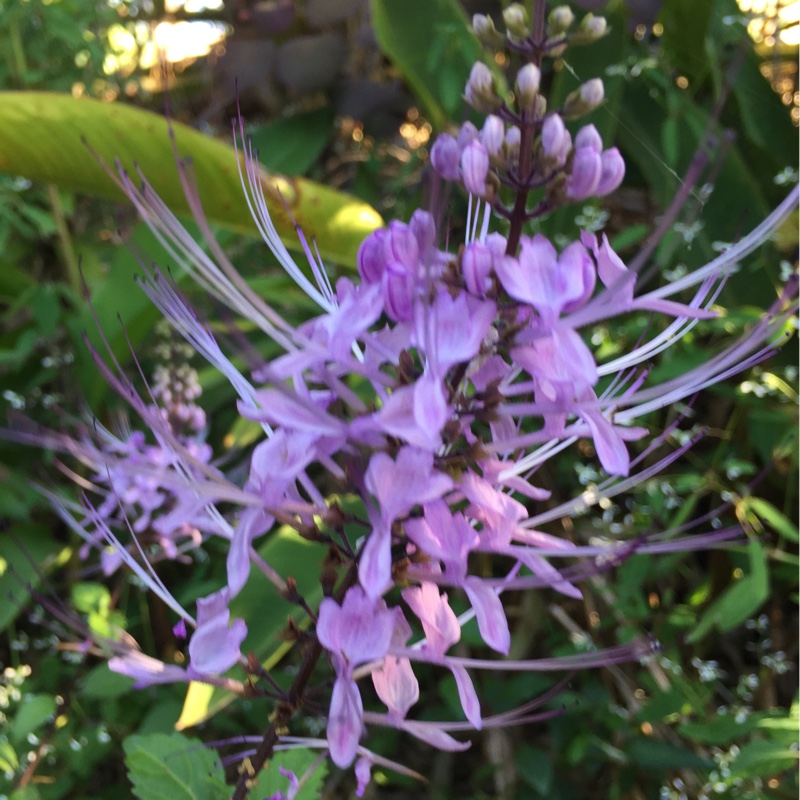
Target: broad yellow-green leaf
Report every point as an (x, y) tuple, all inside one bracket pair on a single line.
[(44, 137)]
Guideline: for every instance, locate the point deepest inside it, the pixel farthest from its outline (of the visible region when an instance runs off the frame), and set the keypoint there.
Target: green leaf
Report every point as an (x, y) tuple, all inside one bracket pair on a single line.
[(430, 42), (656, 754), (43, 137), (33, 711), (772, 517), (270, 781), (24, 558), (535, 768), (175, 767), (686, 25), (101, 683), (292, 145), (26, 793), (8, 758), (88, 597), (759, 759), (266, 614), (739, 601)]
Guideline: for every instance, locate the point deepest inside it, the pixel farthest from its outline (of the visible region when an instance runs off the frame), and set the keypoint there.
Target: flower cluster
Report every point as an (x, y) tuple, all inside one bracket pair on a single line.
[(428, 391)]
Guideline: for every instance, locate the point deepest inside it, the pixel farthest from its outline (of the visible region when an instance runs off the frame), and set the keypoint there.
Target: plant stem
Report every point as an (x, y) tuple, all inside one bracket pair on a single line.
[(527, 130), (71, 262), (294, 699)]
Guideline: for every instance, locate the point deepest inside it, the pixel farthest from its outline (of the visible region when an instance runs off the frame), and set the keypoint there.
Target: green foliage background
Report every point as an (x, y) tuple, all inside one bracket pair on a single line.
[(715, 715)]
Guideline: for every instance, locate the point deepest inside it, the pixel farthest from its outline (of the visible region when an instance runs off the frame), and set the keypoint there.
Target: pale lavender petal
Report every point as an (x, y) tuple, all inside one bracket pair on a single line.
[(375, 564), (215, 644), (396, 685), (344, 722), (146, 670), (490, 614), (438, 620), (467, 695)]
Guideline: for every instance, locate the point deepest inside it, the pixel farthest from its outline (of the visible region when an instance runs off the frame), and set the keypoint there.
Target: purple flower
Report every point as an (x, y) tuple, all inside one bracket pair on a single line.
[(358, 631), (214, 646)]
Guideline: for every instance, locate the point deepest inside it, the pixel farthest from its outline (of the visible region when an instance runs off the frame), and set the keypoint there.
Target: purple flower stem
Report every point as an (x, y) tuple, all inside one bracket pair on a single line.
[(527, 131)]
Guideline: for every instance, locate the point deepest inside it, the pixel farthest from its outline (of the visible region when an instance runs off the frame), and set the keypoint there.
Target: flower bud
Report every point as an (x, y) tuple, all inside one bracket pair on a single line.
[(466, 134), (590, 30), (584, 99), (474, 168), (585, 174), (493, 134), (513, 138), (612, 172), (517, 23), (484, 29), (476, 267), (445, 155), (589, 137), (400, 245), (371, 256), (424, 229), (480, 90), (398, 292), (556, 141), (497, 244), (559, 21), (528, 79)]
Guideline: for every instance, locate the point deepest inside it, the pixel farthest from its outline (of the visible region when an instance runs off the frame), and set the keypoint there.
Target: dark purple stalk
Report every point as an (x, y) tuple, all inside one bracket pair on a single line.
[(249, 771), (527, 131)]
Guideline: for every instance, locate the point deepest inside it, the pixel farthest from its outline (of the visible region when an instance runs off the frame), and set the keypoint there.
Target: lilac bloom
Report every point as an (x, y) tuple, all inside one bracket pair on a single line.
[(358, 631), (441, 631), (215, 644), (397, 486)]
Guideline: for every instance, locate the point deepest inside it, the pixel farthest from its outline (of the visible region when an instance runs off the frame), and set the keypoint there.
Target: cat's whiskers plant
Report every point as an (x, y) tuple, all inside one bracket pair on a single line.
[(428, 392)]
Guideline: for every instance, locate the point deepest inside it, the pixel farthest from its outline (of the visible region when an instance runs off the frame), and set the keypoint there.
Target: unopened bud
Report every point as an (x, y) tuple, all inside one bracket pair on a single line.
[(584, 99), (476, 267), (484, 29), (590, 30), (475, 168), (556, 141), (480, 91), (612, 172), (517, 22), (493, 134), (585, 174), (513, 138), (445, 155), (467, 133), (589, 137), (559, 20), (528, 79)]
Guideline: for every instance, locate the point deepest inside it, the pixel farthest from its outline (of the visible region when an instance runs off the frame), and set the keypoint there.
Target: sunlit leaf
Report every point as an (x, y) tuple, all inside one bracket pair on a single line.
[(44, 137)]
